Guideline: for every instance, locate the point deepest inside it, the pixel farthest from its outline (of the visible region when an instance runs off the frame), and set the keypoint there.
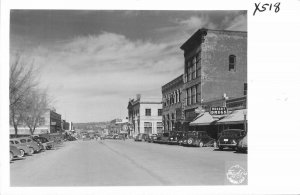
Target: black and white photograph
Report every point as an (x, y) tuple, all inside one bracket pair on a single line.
[(128, 97), (122, 98)]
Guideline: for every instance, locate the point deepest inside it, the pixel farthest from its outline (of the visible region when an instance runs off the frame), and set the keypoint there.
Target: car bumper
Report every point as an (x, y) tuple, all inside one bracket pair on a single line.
[(227, 145)]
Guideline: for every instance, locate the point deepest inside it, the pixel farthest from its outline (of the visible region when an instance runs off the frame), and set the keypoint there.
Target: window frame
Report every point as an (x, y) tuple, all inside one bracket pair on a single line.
[(232, 62)]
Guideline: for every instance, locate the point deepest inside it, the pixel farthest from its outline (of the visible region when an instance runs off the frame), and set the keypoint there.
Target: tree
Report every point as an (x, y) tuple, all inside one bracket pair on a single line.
[(37, 103), (21, 81)]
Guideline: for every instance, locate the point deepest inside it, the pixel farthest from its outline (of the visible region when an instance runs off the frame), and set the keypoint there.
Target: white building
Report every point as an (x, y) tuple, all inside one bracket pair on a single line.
[(145, 115)]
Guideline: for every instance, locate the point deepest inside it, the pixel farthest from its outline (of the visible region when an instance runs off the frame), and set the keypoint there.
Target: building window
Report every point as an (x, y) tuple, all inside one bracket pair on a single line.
[(159, 127), (159, 112), (194, 101), (148, 112), (232, 62), (41, 121), (245, 88), (148, 127)]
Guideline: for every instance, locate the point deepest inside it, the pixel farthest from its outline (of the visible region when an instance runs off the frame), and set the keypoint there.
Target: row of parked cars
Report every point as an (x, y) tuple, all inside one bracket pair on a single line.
[(28, 145), (232, 138)]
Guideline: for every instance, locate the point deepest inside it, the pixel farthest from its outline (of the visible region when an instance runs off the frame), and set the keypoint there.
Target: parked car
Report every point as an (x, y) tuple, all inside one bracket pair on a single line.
[(141, 137), (181, 137), (229, 138), (24, 149), (30, 143), (45, 142), (14, 152), (198, 138), (151, 138), (242, 145), (175, 137), (158, 138), (162, 138)]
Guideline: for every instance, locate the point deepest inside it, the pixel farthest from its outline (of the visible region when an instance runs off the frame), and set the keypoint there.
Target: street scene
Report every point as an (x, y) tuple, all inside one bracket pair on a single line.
[(123, 163), (128, 98)]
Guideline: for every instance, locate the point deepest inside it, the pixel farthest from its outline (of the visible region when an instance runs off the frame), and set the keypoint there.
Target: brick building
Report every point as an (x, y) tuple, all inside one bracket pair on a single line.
[(145, 115), (215, 67), (172, 105)]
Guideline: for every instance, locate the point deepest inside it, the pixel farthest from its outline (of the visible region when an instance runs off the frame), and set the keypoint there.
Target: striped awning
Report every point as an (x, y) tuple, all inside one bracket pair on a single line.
[(203, 119), (235, 117)]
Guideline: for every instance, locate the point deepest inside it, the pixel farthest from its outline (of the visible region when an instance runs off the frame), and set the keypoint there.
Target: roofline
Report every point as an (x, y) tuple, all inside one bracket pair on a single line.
[(203, 31)]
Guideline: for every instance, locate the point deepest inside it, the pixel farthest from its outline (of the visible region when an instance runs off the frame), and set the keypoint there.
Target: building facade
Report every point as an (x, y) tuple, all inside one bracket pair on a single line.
[(215, 67), (172, 113), (49, 122), (145, 115)]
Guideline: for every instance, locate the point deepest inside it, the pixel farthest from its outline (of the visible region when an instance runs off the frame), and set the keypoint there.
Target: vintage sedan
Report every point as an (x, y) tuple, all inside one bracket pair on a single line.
[(198, 138), (151, 138), (24, 149), (14, 152), (45, 142), (141, 137), (30, 143), (162, 138), (175, 137), (242, 145), (229, 138)]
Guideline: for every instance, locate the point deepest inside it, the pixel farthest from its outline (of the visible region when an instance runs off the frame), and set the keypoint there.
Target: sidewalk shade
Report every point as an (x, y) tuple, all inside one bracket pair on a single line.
[(236, 117), (204, 119)]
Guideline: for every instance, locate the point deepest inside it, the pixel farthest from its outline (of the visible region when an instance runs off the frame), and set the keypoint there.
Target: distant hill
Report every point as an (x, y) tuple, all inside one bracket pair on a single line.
[(92, 125)]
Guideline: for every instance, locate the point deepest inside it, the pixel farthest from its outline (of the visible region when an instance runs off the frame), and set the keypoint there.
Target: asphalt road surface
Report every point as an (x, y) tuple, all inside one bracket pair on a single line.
[(125, 163)]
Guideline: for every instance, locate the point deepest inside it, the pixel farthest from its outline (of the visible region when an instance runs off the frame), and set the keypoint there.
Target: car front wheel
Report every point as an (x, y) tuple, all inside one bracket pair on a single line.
[(31, 150), (11, 156), (201, 144), (22, 153), (215, 144)]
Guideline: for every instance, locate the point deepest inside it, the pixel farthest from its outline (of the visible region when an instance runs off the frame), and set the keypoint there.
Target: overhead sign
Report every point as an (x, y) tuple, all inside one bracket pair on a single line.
[(218, 110)]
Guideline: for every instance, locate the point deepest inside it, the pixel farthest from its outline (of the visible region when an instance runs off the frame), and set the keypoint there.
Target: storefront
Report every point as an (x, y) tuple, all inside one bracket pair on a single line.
[(215, 119), (206, 122), (236, 119)]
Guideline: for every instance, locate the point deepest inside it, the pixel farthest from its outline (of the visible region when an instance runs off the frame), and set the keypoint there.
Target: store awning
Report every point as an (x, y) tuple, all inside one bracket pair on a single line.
[(235, 117), (204, 119)]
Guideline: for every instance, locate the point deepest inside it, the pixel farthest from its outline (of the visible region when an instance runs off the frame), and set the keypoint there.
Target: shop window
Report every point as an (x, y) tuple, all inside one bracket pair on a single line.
[(232, 63)]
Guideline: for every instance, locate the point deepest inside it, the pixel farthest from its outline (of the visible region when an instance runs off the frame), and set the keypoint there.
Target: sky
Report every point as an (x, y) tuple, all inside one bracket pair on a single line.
[(92, 62)]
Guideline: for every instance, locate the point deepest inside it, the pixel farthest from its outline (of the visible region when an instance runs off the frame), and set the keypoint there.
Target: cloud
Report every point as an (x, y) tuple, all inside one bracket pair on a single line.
[(238, 23), (97, 68)]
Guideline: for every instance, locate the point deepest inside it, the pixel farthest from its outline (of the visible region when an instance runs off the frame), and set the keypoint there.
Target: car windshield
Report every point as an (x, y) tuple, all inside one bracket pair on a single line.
[(192, 134), (231, 133)]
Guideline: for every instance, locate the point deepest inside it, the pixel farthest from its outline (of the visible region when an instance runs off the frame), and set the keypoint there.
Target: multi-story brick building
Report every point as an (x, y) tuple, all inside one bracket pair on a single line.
[(145, 115), (215, 67), (172, 105)]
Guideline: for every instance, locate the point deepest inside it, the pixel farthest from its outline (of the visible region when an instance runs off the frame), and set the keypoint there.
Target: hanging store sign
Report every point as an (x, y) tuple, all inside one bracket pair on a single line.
[(218, 110)]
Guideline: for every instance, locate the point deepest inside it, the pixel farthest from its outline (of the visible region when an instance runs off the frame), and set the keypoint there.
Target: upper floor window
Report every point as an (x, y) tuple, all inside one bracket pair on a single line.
[(148, 112), (232, 62), (159, 112)]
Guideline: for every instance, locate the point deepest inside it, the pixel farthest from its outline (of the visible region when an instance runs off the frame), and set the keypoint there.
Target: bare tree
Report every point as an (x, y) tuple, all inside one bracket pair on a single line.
[(21, 81), (37, 103)]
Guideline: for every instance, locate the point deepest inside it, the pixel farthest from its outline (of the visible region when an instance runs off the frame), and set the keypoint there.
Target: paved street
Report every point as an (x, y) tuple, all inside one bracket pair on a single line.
[(123, 163)]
